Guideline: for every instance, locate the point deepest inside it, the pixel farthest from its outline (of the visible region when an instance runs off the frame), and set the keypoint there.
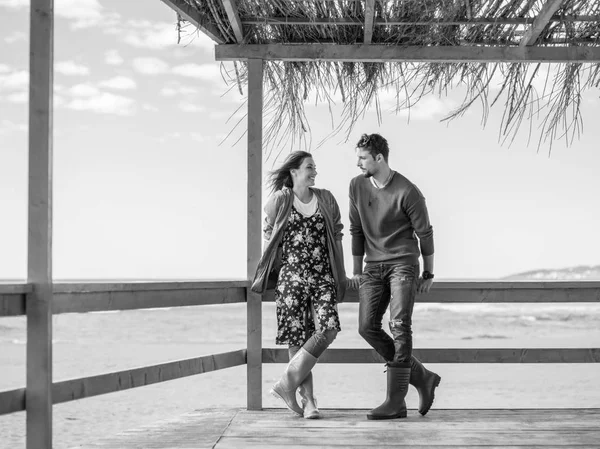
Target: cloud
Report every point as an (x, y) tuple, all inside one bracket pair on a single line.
[(177, 89), (428, 107), (206, 72), (161, 35), (71, 68), (104, 103), (83, 90), (15, 4), (15, 36), (18, 97), (119, 83), (4, 68), (190, 107), (15, 80), (7, 126), (149, 107), (150, 66), (81, 13), (112, 57)]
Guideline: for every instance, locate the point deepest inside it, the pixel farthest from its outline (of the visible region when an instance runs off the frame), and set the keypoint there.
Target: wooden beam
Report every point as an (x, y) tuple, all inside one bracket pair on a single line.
[(541, 21), (197, 19), (133, 300), (234, 19), (369, 16), (111, 287), (349, 21), (12, 401), (254, 210), (499, 292), (85, 387), (39, 241), (454, 355), (383, 53), (12, 304)]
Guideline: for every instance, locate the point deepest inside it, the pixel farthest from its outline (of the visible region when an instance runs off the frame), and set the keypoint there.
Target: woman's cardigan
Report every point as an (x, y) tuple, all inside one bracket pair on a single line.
[(278, 210)]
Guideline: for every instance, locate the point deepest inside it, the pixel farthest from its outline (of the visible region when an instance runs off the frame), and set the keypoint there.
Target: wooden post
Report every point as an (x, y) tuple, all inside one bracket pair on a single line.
[(38, 393), (254, 301)]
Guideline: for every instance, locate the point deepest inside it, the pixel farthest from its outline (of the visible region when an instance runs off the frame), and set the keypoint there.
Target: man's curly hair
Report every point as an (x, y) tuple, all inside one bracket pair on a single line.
[(375, 144)]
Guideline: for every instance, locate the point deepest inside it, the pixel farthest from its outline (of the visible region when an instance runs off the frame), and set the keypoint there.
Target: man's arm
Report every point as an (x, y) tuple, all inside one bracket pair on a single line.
[(425, 284), (358, 242)]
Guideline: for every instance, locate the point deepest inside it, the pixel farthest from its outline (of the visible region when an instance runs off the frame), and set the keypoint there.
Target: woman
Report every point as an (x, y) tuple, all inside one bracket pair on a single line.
[(303, 244)]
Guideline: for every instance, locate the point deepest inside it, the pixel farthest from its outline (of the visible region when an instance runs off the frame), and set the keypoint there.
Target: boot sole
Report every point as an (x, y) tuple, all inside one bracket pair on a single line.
[(436, 383), (403, 414), (278, 396)]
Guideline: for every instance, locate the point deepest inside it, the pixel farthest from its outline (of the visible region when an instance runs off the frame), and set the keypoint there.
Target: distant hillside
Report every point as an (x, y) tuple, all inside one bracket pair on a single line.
[(583, 272)]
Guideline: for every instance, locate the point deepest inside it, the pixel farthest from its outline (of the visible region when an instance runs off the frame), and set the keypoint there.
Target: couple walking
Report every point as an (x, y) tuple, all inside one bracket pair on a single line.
[(303, 254)]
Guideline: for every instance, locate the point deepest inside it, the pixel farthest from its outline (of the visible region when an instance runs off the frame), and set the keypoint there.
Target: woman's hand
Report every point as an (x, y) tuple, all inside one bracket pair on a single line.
[(353, 282)]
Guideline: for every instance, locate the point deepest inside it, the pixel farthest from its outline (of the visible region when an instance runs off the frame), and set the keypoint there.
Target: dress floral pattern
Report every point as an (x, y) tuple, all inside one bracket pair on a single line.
[(305, 279)]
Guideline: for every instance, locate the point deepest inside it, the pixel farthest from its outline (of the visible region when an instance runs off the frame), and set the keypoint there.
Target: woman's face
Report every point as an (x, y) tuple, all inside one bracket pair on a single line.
[(304, 176)]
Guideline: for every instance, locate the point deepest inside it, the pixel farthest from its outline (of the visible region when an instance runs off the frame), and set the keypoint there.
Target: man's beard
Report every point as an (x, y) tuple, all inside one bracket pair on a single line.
[(367, 174)]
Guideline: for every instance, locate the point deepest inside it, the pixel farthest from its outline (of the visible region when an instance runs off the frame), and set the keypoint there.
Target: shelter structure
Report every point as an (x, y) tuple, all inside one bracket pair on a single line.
[(356, 49), (286, 49)]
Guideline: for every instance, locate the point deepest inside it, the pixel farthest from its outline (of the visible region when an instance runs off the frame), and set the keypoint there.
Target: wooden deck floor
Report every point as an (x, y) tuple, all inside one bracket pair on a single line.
[(277, 428)]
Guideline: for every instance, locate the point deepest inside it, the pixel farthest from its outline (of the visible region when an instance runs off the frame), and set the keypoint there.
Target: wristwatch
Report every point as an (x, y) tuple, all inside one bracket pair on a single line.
[(427, 275)]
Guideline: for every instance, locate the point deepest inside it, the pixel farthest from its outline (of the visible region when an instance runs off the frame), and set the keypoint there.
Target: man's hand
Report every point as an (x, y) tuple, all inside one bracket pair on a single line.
[(354, 282), (424, 285)]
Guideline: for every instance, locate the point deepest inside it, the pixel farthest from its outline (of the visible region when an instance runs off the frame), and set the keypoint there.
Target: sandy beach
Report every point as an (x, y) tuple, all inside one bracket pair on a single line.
[(86, 344)]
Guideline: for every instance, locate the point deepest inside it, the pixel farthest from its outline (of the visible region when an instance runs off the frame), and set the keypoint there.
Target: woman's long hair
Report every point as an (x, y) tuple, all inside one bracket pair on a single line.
[(282, 177)]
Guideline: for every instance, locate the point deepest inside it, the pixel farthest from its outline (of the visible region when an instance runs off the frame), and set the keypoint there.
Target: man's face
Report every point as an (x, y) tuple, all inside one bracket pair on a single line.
[(306, 173), (366, 163)]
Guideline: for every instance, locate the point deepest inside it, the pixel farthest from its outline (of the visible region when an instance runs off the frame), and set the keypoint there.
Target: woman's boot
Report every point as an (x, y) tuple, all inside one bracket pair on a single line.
[(394, 406), (425, 382), (295, 372), (309, 402)]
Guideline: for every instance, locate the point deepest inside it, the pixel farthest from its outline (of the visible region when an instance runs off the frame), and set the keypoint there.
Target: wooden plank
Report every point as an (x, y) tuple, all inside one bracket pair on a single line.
[(15, 289), (405, 436), (254, 204), (541, 21), (499, 292), (199, 429), (545, 419), (234, 19), (275, 428), (453, 355), (197, 19), (39, 240), (12, 304), (383, 53), (369, 16), (349, 21), (145, 299), (95, 287), (70, 390), (12, 401)]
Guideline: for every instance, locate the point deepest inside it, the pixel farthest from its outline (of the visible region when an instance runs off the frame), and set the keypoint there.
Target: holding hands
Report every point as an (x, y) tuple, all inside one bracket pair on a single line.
[(353, 282)]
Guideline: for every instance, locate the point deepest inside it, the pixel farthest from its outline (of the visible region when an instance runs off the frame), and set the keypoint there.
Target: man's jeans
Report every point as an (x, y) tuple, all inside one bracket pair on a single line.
[(394, 285)]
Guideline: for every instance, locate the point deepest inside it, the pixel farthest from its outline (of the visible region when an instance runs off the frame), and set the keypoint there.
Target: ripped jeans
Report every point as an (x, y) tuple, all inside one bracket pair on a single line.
[(393, 285)]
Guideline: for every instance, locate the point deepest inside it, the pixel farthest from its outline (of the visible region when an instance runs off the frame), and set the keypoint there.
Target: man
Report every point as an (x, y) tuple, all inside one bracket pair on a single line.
[(386, 211)]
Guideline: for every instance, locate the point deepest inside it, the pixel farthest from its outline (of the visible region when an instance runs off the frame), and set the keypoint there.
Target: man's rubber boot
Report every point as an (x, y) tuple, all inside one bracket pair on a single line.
[(398, 377), (425, 382), (309, 402), (295, 372)]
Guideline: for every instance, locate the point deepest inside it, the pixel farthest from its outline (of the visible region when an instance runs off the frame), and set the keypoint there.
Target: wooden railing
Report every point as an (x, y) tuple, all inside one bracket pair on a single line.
[(80, 298)]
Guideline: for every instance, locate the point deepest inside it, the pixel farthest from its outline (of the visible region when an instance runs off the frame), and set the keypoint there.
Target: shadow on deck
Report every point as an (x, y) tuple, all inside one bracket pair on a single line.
[(278, 428)]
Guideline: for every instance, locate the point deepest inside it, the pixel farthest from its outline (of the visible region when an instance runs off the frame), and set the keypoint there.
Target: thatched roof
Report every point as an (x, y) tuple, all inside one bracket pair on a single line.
[(561, 27)]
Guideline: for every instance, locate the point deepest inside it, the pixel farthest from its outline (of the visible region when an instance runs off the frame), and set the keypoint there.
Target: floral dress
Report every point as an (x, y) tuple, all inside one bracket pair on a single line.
[(305, 279)]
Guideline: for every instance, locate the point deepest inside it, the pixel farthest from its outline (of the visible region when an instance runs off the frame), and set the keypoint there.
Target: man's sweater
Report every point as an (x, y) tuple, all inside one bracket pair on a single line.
[(383, 222)]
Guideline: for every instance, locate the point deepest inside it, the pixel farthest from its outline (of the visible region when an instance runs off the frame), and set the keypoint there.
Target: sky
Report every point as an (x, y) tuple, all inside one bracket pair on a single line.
[(148, 187)]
